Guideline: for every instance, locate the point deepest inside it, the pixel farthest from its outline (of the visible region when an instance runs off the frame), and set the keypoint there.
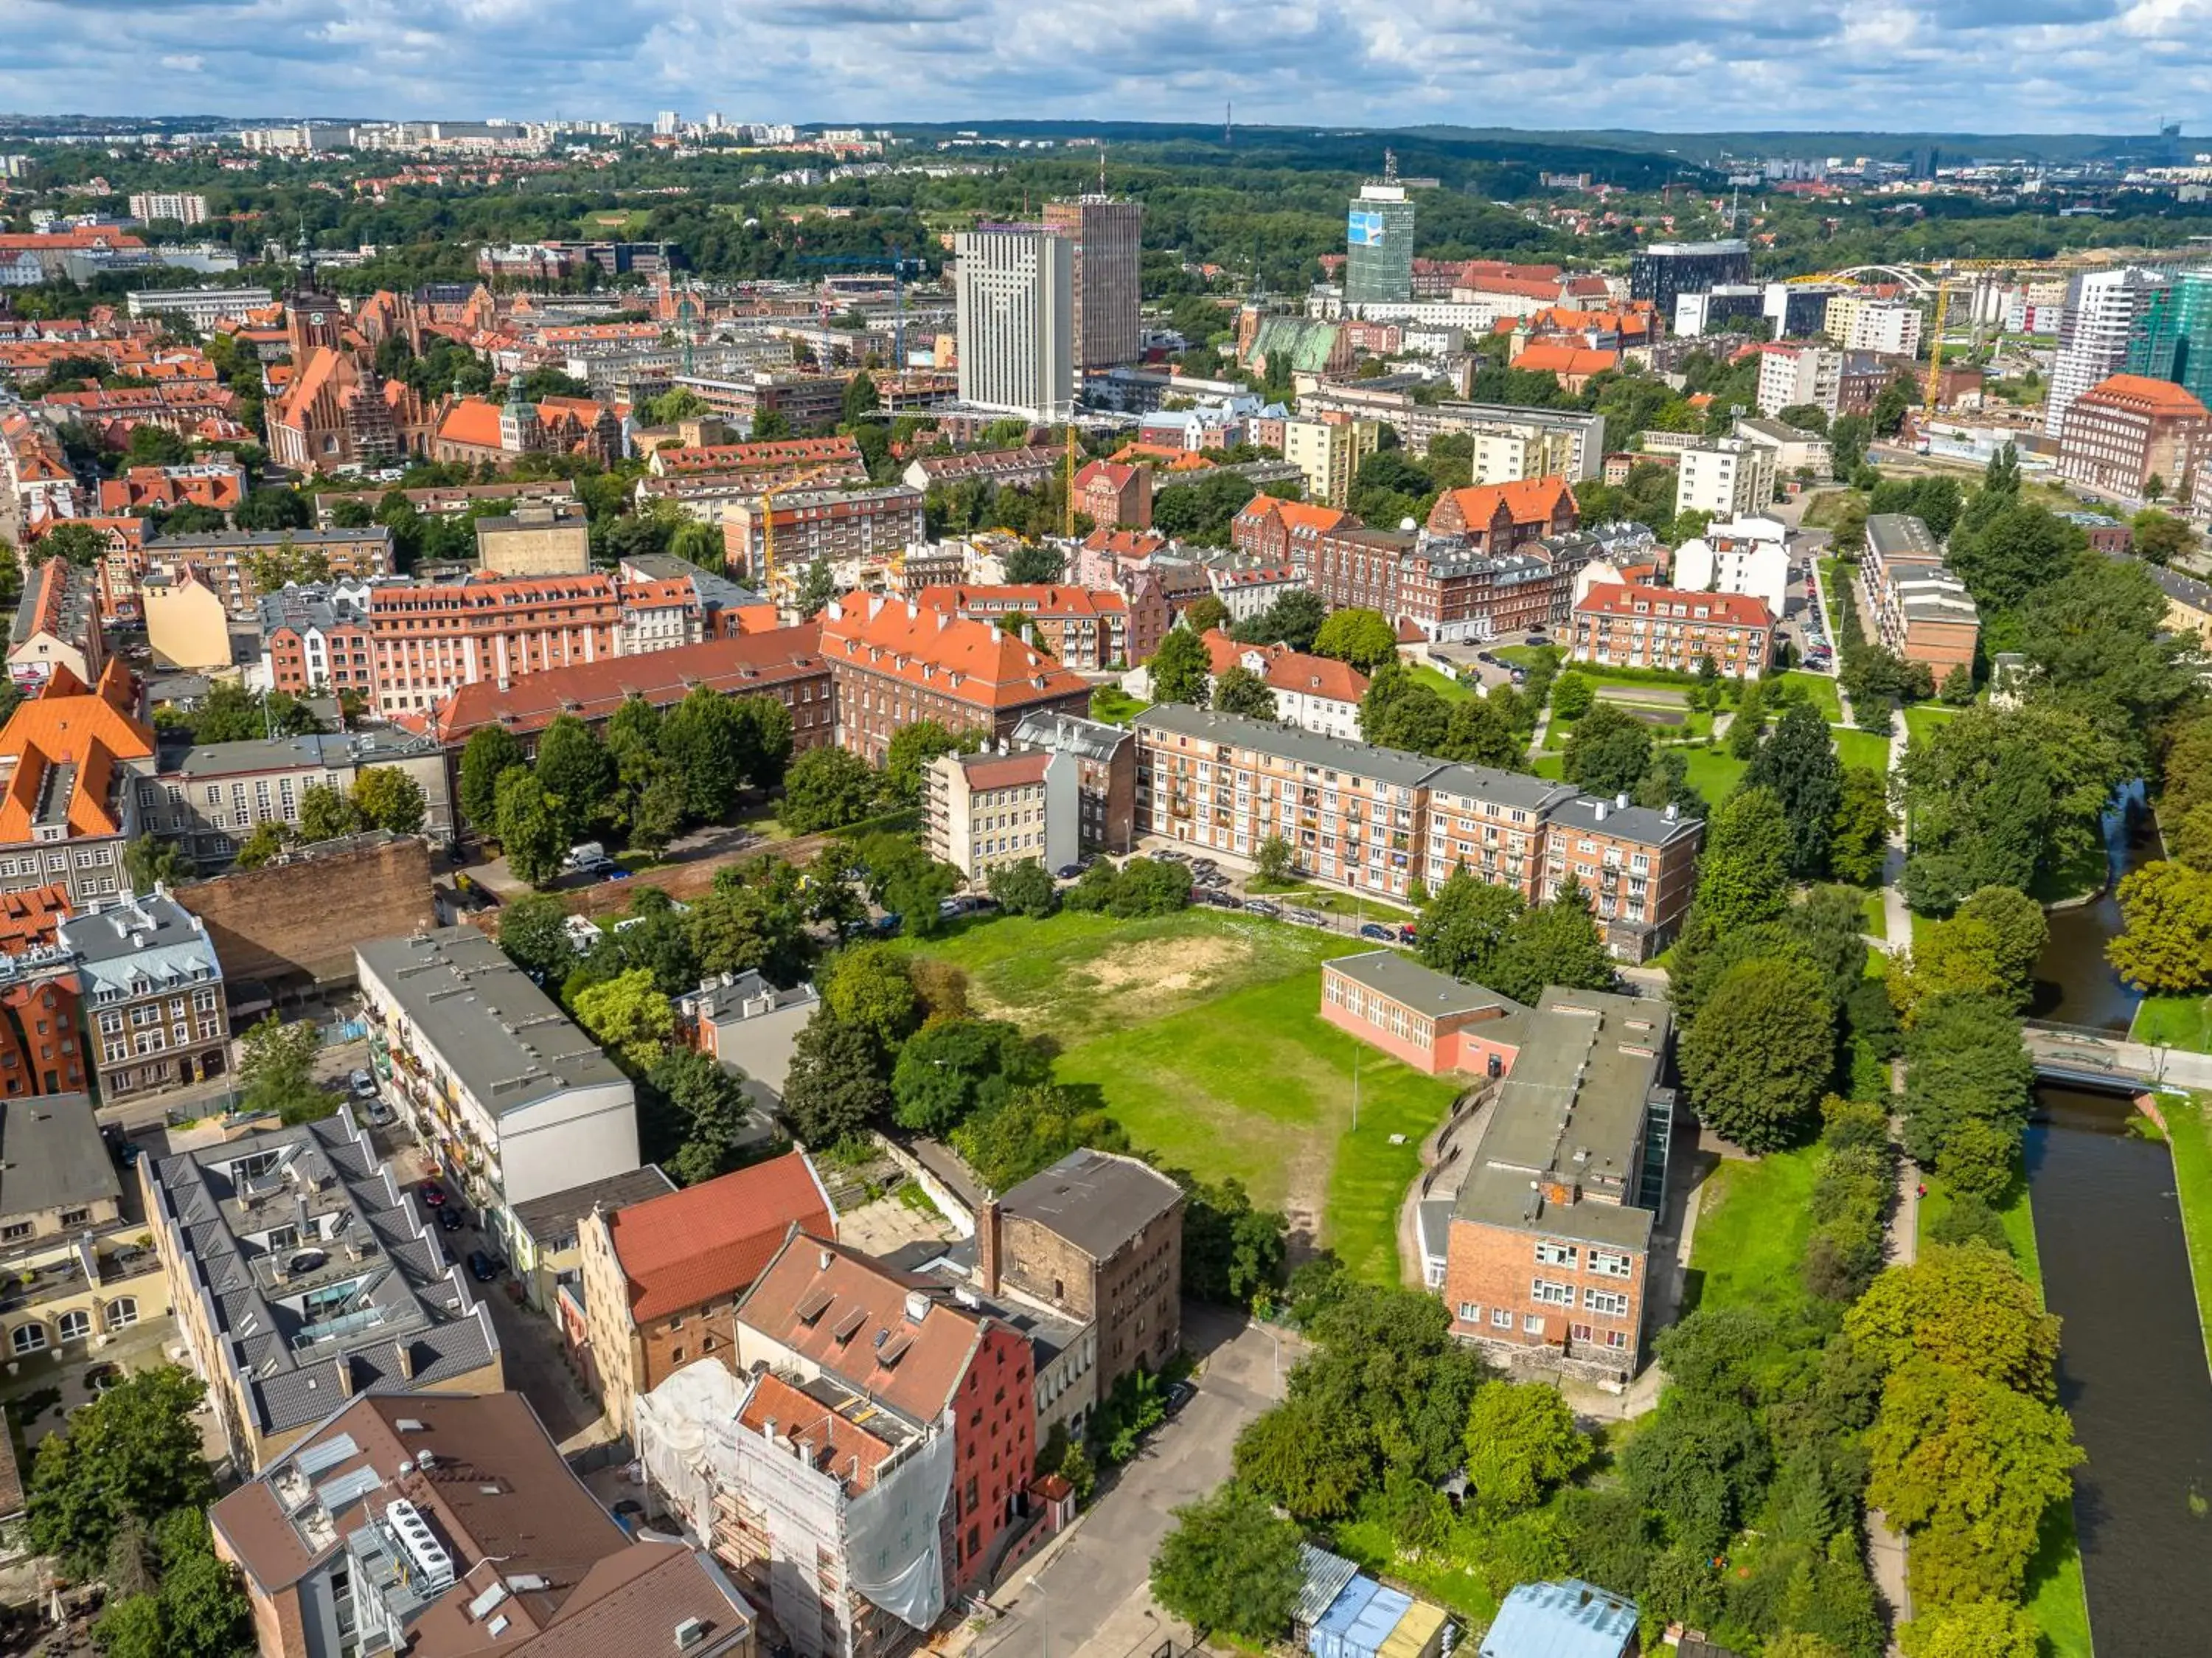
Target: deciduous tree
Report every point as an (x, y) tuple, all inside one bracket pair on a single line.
[(1180, 670), (1522, 1444), (386, 797), (1229, 1565), (530, 830), (1465, 927), (1758, 1058), (1796, 763), (2166, 947), (1363, 638), (826, 789), (490, 751), (836, 1084), (629, 1016), (133, 1451), (1239, 690)]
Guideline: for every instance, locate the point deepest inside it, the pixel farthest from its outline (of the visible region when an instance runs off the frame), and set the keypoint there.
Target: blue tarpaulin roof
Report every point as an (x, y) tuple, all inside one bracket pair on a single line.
[(1331, 1636), (1571, 1619)]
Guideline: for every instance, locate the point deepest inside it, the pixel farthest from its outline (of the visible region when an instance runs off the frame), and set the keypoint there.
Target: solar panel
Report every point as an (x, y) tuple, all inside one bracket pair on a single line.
[(347, 1489)]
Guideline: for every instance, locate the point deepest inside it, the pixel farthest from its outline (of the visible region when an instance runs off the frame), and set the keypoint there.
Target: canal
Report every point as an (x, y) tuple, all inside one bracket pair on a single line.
[(2131, 1368)]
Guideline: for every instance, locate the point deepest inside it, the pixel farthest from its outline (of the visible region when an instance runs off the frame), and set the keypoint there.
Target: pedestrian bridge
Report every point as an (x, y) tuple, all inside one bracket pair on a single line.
[(2091, 1058)]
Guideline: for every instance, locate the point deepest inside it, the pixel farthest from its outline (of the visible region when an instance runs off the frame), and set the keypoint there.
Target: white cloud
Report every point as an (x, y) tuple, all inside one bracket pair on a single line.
[(1942, 65)]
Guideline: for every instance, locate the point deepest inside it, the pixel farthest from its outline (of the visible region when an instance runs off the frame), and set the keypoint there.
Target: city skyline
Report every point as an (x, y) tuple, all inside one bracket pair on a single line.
[(2048, 66)]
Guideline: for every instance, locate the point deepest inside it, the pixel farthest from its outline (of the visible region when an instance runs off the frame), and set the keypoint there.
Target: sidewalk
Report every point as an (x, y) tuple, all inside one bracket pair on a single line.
[(1886, 1548)]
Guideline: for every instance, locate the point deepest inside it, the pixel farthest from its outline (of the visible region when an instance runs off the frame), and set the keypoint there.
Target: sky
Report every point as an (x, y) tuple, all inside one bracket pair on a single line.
[(1677, 65)]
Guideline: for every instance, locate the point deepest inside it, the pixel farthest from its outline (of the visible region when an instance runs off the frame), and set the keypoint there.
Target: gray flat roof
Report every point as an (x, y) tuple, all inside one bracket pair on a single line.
[(1397, 976), (1900, 535), (553, 1218), (1392, 766), (326, 751), (52, 1155), (1097, 1200), (506, 1040), (1572, 1112), (1487, 783), (1644, 825)]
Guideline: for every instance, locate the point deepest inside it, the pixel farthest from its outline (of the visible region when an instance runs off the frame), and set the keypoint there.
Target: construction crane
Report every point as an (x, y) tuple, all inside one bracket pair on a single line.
[(768, 519), (902, 266), (1935, 347)]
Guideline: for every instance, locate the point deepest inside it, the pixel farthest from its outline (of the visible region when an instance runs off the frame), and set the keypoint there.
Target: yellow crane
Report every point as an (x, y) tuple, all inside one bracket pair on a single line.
[(768, 519), (1935, 347)]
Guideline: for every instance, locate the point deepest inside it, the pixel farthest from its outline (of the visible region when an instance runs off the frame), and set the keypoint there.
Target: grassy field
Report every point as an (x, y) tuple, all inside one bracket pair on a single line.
[(1369, 1544), (1443, 684), (1198, 1032), (1754, 1220), (1114, 705), (1714, 772), (2174, 1022), (1821, 687), (1549, 765), (1922, 719), (1856, 747), (2188, 1137), (2013, 1212), (1877, 921)]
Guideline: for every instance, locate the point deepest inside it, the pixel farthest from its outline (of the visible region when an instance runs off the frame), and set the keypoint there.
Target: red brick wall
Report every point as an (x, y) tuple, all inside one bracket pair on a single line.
[(993, 1448), (1490, 1267)]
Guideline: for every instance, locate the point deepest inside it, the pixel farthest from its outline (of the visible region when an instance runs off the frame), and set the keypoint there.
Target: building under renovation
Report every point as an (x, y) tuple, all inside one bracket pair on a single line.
[(825, 1503)]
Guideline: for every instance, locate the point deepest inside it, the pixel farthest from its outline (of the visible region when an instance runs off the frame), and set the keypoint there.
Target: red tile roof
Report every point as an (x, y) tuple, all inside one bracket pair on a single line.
[(1036, 598), (66, 724), (712, 1240), (473, 421), (1125, 544), (1728, 609), (948, 654), (838, 1443), (592, 690), (1288, 670), (1556, 358), (1005, 770), (31, 915), (2144, 395), (1527, 500), (929, 1354), (1295, 515), (746, 457)]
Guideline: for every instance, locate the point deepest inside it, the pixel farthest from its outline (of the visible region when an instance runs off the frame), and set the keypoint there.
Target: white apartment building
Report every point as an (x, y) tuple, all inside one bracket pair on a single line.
[(983, 811), (1014, 301), (203, 307), (1791, 375), (513, 1098), (183, 207), (1745, 555), (2100, 311), (1796, 451), (1728, 477), (1329, 453), (1890, 327)]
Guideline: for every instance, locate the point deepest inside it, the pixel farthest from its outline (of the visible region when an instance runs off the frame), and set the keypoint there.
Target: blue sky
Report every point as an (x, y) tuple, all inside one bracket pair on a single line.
[(1946, 65)]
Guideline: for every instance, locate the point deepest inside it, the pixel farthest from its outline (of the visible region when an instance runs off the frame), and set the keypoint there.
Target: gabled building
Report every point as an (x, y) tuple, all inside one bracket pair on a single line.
[(1273, 533), (152, 995), (659, 1279), (334, 414), (1115, 498), (58, 625), (1314, 694), (1105, 777), (820, 1309), (1081, 627), (69, 758), (1664, 627), (1497, 518), (990, 810)]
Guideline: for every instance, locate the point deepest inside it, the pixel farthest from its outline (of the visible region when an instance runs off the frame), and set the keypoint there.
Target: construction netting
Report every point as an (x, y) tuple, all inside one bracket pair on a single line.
[(692, 1444)]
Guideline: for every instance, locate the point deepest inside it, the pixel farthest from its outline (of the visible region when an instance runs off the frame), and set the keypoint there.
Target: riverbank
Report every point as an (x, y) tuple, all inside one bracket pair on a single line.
[(2189, 1140), (2058, 1593)]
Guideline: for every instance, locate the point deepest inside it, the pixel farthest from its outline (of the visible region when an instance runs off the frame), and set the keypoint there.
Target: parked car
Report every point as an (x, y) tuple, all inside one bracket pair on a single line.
[(362, 1084), (480, 1266), (587, 854), (614, 872), (1179, 1394), (449, 1218), (1406, 932), (433, 1193), (1260, 906), (1069, 871), (1376, 930), (1308, 918)]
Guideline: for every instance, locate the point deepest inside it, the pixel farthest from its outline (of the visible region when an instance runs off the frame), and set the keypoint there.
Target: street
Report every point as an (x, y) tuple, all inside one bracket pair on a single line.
[(1089, 1599)]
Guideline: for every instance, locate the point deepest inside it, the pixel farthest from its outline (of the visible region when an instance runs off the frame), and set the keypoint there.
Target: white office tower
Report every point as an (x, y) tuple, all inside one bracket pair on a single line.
[(2101, 307), (1016, 291)]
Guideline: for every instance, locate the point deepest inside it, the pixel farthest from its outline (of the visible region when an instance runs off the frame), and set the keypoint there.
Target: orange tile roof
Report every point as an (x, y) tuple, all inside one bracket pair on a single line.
[(1037, 599), (1125, 544), (1529, 500), (713, 1239), (929, 1355), (1297, 514), (31, 915), (1288, 670), (938, 651), (1557, 357), (2144, 394), (769, 452), (840, 1445), (66, 724), (1005, 770), (472, 421), (1730, 609)]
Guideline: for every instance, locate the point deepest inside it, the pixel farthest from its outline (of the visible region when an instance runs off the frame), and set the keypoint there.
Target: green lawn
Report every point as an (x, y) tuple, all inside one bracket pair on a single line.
[(2188, 1137), (1865, 748), (1822, 689), (1327, 901), (1555, 766), (2174, 1022), (1443, 684), (1754, 1220), (1922, 719), (1368, 1544), (1713, 772), (1198, 1032), (1115, 706), (1877, 920), (1521, 656), (2014, 1212)]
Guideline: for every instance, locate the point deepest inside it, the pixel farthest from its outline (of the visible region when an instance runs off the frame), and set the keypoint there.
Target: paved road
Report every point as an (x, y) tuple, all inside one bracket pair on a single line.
[(1089, 1599)]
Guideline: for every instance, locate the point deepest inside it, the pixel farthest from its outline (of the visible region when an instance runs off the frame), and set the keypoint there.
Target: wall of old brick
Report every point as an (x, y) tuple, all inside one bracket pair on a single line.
[(301, 920), (1492, 1266)]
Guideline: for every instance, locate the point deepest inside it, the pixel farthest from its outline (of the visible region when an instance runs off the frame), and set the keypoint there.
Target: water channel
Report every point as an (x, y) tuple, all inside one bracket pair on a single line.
[(2132, 1371)]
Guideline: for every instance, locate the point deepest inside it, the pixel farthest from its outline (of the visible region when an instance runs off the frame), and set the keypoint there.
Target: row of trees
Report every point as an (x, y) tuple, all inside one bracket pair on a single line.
[(1473, 929), (648, 776), (2167, 945)]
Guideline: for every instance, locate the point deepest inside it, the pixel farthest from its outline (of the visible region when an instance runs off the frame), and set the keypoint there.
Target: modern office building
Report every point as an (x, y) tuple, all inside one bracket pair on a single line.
[(2172, 336), (1014, 294), (1665, 271), (2103, 308), (1379, 243), (1107, 235)]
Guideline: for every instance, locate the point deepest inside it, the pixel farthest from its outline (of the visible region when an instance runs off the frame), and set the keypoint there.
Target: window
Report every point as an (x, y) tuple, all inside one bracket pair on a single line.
[(14, 1230), (1612, 1264), (1552, 1254), (1501, 1318), (1469, 1313), (74, 1325), (1610, 1302), (122, 1312), (1532, 1324), (28, 1338), (676, 1355), (1550, 1293), (75, 1216)]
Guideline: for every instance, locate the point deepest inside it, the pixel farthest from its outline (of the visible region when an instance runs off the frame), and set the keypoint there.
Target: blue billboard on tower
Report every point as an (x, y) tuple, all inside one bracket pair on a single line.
[(1365, 228)]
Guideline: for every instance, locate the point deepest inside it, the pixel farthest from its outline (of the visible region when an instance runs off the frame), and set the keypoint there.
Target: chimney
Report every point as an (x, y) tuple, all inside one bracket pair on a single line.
[(987, 1245), (345, 1375), (406, 1352)]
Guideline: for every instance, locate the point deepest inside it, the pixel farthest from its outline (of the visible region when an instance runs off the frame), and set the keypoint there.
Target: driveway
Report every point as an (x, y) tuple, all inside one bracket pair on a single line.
[(1089, 1598)]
